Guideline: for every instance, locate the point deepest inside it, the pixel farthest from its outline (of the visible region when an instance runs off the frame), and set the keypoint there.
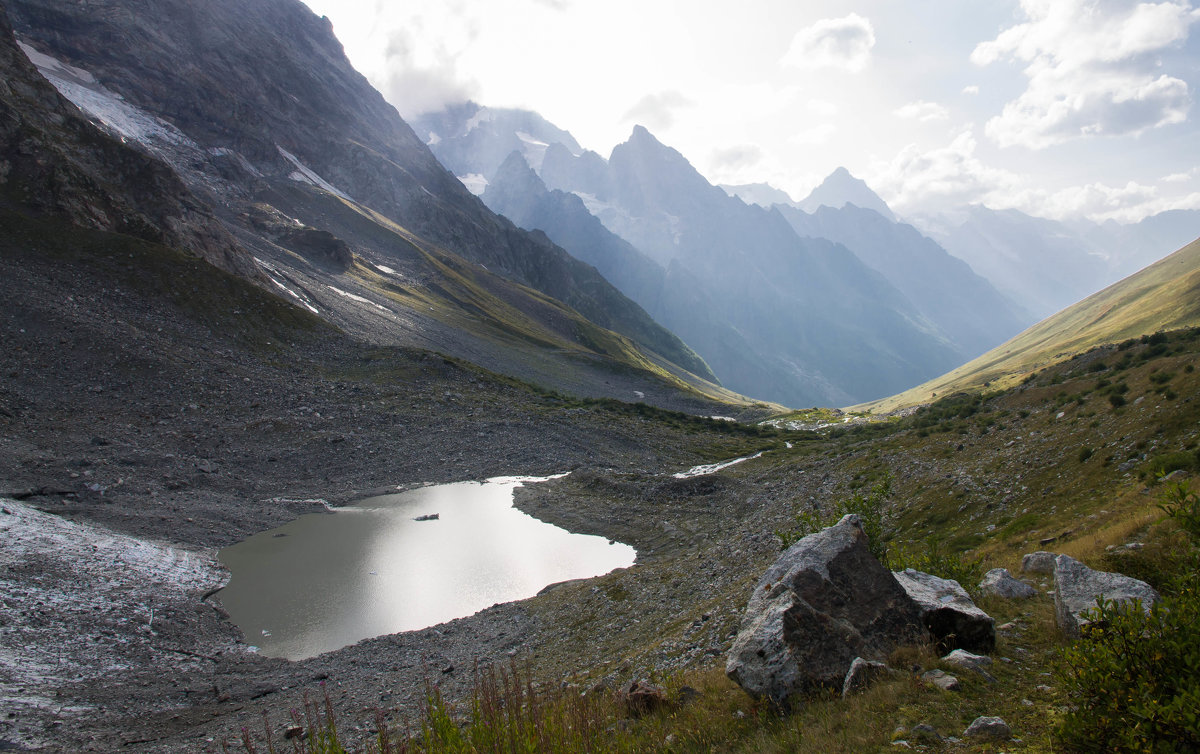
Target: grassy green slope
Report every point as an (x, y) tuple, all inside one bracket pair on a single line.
[(1164, 296)]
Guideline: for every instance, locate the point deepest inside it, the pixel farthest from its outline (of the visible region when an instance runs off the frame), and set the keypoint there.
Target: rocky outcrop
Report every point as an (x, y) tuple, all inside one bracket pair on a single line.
[(948, 612), (998, 582), (54, 162), (824, 602), (861, 674), (989, 728), (1038, 562), (1077, 588)]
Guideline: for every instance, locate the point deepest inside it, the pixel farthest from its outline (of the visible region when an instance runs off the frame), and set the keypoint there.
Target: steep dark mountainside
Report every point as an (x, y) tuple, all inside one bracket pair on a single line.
[(942, 287), (55, 162), (251, 101)]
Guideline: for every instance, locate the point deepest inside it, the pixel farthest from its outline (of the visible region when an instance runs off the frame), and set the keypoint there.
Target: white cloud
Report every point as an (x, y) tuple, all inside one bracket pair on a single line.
[(420, 69), (1092, 67), (953, 176), (818, 134), (657, 111), (822, 107), (941, 179), (973, 89), (923, 111), (1179, 177), (832, 43), (736, 158)]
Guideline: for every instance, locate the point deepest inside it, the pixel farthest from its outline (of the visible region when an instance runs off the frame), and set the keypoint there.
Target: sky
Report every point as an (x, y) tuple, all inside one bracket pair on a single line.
[(1059, 108)]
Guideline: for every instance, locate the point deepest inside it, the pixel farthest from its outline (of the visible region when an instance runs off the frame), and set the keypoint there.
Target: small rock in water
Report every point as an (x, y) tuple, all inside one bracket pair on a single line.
[(428, 517)]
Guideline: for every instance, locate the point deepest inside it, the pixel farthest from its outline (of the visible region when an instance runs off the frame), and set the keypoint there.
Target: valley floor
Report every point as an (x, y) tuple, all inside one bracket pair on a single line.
[(136, 438)]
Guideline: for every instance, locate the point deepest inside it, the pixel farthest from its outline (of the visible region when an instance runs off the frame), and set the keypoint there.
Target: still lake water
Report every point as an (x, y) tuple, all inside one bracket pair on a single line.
[(325, 581)]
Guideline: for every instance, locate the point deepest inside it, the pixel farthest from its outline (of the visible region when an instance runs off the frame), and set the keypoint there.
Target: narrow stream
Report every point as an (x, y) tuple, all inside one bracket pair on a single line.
[(325, 581)]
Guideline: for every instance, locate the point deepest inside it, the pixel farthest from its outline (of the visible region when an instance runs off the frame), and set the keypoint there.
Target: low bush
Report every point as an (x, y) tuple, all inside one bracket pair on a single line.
[(1134, 677), (869, 508), (1134, 680)]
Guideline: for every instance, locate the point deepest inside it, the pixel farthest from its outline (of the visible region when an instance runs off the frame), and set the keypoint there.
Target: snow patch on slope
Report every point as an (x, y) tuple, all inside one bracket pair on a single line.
[(99, 104), (303, 174)]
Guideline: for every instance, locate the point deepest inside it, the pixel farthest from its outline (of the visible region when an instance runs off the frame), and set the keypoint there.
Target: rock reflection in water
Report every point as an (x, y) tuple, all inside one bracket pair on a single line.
[(370, 569)]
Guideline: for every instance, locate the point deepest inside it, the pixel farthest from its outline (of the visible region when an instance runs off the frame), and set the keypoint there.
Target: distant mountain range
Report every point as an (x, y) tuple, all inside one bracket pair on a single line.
[(803, 309)]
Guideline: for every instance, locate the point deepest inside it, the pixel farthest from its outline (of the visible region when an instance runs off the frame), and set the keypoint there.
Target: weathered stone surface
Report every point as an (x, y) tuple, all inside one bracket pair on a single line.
[(998, 582), (824, 602), (1076, 588), (862, 673), (1038, 562), (960, 658), (941, 679), (641, 697), (988, 727), (948, 612)]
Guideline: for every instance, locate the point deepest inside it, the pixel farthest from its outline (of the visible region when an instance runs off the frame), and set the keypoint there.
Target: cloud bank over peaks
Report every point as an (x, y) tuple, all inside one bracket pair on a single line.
[(843, 43), (420, 75), (949, 177), (657, 111), (1093, 68)]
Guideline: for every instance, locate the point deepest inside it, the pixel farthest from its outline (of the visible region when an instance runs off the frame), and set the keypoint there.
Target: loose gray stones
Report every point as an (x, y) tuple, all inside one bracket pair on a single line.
[(823, 603), (1038, 562), (993, 728), (862, 673), (960, 658), (941, 679), (1076, 588), (948, 612), (998, 582)]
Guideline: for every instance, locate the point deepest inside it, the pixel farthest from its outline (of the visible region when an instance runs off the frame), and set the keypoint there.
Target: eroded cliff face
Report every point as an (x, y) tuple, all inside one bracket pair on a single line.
[(54, 161)]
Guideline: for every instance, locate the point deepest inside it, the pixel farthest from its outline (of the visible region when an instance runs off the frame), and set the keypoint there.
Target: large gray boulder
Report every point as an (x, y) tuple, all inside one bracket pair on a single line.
[(998, 582), (1038, 562), (824, 602), (948, 612), (1076, 588)]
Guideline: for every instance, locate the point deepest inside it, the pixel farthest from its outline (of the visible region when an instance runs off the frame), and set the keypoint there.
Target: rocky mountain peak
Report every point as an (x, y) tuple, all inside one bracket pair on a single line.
[(841, 188)]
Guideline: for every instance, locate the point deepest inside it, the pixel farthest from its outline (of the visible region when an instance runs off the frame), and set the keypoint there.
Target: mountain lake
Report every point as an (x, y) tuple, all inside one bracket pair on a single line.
[(328, 580)]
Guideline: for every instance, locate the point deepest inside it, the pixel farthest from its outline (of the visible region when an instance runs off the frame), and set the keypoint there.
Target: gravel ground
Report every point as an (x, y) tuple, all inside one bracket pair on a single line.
[(137, 438)]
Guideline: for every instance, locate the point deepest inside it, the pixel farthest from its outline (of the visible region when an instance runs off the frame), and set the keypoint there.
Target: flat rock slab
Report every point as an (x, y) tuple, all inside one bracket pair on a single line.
[(1077, 587), (862, 673), (948, 612), (998, 582), (823, 603), (993, 728), (1038, 562), (940, 679)]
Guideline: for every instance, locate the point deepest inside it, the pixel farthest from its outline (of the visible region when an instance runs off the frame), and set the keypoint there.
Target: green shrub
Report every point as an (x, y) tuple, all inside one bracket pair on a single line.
[(869, 508), (936, 560), (1165, 463), (1116, 399), (1134, 681), (1085, 453), (1183, 507)]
